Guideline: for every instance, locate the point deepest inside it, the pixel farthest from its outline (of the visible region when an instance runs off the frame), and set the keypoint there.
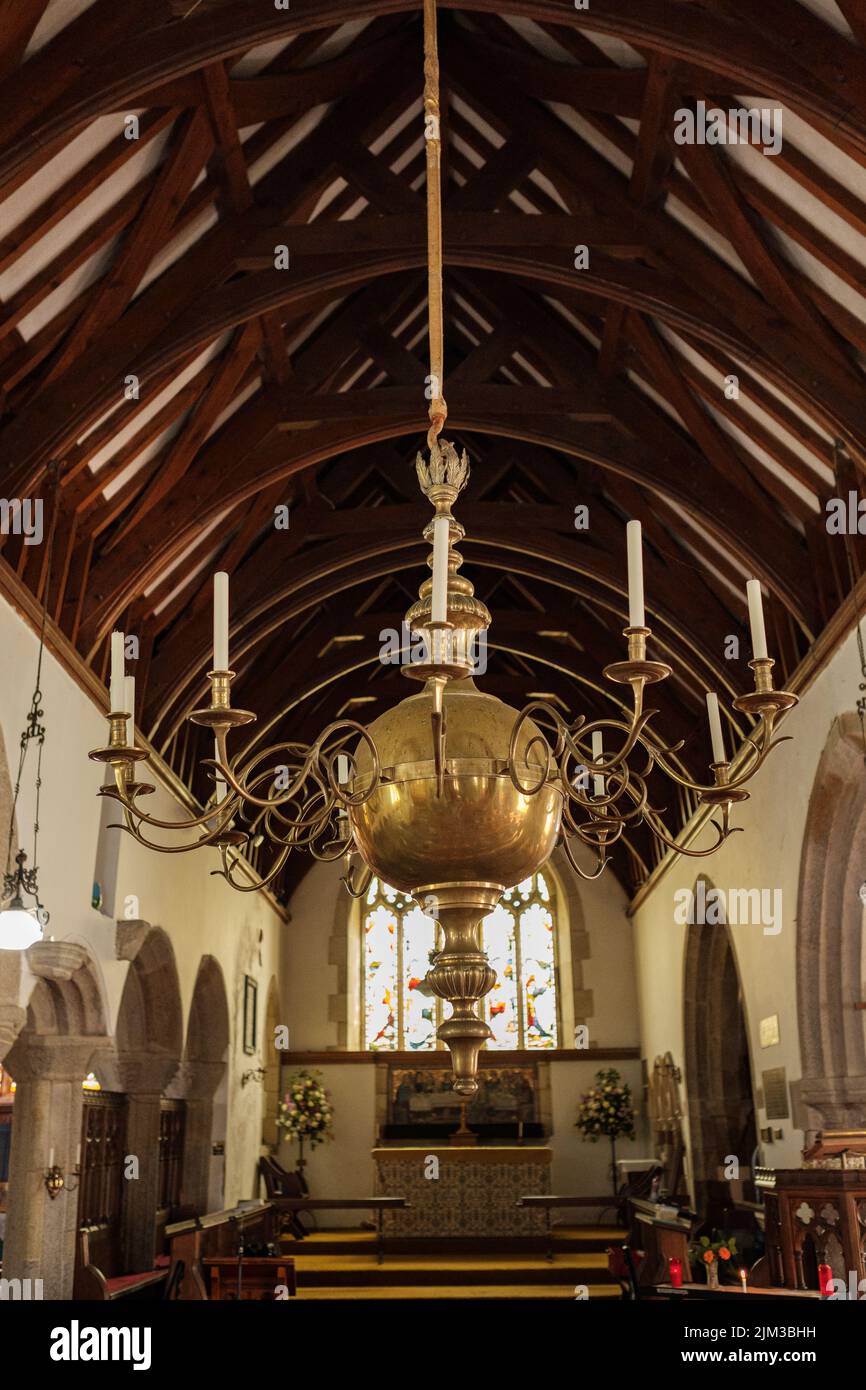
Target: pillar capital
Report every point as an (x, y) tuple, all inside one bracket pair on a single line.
[(196, 1080), (56, 960), (46, 1057), (145, 1073)]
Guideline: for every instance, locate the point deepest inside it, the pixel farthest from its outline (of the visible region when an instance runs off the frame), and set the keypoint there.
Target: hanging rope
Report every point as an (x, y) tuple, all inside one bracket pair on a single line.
[(438, 408)]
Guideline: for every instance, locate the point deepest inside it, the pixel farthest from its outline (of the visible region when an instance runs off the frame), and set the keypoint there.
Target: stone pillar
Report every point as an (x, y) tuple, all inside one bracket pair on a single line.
[(201, 1081), (145, 1076), (41, 1231)]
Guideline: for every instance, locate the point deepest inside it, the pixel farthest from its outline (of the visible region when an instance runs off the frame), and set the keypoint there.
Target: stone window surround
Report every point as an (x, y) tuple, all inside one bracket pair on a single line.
[(573, 948)]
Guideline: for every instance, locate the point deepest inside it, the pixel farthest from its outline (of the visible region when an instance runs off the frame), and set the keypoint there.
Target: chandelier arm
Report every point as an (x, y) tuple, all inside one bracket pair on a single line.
[(193, 823), (634, 736), (656, 829), (600, 833), (240, 780), (620, 776), (264, 882), (602, 862), (762, 748), (136, 834), (638, 792), (563, 735), (325, 856), (366, 879)]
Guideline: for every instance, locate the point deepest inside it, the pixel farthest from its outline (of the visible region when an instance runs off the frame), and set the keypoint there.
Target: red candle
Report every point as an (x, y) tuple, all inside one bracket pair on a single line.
[(825, 1280), (676, 1267)]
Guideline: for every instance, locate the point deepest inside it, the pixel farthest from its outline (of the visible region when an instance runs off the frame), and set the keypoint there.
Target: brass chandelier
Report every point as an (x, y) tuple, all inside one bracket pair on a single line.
[(452, 796)]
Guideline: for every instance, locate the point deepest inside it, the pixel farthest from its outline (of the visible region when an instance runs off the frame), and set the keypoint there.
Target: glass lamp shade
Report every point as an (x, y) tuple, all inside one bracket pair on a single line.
[(18, 927)]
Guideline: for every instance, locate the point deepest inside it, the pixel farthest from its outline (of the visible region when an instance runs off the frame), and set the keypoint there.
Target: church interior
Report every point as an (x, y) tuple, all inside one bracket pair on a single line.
[(433, 688)]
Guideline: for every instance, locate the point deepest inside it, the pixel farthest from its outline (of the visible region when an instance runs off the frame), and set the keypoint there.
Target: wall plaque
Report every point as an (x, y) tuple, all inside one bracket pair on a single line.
[(776, 1093), (769, 1031)]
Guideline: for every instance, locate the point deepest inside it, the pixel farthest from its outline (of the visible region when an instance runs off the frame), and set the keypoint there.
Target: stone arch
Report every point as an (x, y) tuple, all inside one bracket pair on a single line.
[(829, 935), (150, 1017), (271, 1083), (61, 1033), (145, 1058), (203, 1083), (720, 1096)]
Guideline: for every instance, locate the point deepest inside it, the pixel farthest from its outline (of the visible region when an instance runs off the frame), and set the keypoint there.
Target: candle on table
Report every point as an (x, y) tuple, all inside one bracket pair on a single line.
[(676, 1272), (441, 547), (598, 756), (744, 1280), (220, 621), (756, 619), (116, 690), (715, 727), (825, 1281), (635, 575)]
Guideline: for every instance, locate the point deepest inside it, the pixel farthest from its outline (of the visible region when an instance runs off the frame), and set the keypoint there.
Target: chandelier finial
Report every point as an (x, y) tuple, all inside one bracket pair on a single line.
[(446, 474)]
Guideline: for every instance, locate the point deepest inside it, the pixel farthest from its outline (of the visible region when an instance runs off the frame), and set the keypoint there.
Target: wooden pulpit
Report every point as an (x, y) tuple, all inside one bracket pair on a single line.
[(817, 1216)]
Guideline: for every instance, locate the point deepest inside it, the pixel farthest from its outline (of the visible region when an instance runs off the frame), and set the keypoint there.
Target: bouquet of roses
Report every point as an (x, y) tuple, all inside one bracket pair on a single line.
[(708, 1252), (306, 1112), (606, 1111)]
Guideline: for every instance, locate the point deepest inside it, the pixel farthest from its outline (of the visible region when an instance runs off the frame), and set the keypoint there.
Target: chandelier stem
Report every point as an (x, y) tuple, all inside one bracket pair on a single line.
[(433, 142)]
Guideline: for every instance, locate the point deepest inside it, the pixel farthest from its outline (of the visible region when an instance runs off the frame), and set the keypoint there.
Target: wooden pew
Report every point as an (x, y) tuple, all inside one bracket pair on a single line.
[(253, 1278), (204, 1242), (96, 1277)]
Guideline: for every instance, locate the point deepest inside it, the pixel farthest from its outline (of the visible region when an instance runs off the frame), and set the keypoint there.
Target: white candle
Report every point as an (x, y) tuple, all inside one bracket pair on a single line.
[(117, 692), (129, 703), (221, 621), (342, 779), (756, 619), (441, 538), (635, 575), (78, 1156), (50, 1158), (715, 727), (598, 756)]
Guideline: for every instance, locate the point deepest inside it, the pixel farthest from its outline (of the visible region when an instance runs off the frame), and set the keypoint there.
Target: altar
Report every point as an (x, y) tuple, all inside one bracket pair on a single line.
[(468, 1191)]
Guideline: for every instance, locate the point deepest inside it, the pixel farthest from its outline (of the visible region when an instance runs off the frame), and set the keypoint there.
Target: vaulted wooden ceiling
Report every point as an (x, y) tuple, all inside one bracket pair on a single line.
[(168, 387)]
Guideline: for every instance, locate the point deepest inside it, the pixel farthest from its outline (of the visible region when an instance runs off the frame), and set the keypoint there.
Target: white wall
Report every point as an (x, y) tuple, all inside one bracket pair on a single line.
[(200, 913), (767, 855)]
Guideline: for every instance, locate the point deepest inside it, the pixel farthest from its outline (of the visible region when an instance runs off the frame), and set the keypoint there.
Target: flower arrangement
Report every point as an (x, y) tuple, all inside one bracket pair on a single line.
[(713, 1254), (606, 1111), (306, 1112)]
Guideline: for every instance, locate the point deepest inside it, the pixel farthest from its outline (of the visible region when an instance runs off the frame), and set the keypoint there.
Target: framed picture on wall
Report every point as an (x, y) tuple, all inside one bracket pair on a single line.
[(251, 1002)]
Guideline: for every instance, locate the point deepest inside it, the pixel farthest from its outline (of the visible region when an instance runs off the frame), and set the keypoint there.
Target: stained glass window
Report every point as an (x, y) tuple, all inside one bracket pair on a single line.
[(398, 939)]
